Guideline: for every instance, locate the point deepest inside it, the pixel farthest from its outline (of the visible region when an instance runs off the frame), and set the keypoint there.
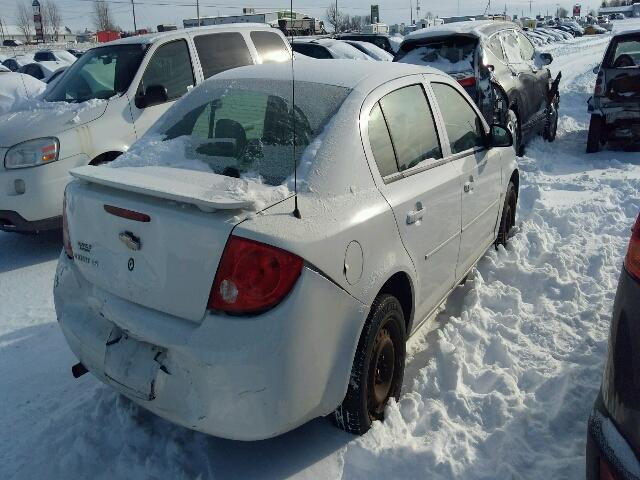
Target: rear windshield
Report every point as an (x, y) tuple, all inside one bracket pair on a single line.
[(246, 128), (100, 73), (624, 53), (451, 54)]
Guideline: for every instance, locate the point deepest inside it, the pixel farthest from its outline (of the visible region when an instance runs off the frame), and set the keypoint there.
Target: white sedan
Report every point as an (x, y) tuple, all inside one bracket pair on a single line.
[(196, 282)]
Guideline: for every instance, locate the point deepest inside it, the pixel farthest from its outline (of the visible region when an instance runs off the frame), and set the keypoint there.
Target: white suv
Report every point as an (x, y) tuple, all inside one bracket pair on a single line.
[(243, 324), (106, 101)]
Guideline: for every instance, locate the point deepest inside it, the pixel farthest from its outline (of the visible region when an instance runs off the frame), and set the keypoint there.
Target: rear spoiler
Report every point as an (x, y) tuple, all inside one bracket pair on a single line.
[(206, 190)]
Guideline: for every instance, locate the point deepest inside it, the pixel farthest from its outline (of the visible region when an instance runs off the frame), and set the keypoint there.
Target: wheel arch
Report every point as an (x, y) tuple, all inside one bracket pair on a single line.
[(105, 157), (401, 287)]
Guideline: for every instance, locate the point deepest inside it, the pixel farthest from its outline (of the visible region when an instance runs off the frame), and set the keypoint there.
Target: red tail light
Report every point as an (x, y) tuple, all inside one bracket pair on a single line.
[(467, 82), (632, 259), (128, 214), (66, 239), (252, 277)]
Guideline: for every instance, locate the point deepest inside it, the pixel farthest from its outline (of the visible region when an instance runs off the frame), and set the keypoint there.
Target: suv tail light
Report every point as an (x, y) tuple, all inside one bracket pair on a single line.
[(252, 277), (467, 82), (632, 259), (66, 239)]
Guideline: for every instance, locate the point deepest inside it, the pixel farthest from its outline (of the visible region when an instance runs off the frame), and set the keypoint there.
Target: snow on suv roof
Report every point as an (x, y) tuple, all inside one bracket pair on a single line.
[(477, 28), (154, 37), (352, 74)]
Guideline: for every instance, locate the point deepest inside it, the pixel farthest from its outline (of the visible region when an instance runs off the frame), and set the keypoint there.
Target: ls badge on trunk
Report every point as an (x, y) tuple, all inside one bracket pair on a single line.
[(130, 240)]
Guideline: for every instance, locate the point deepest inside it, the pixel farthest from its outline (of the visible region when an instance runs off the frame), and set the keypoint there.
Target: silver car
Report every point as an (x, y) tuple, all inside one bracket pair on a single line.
[(261, 256)]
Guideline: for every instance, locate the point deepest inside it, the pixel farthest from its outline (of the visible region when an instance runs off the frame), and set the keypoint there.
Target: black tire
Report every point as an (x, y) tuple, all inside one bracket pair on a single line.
[(508, 220), (551, 124), (596, 130), (515, 127), (378, 367)]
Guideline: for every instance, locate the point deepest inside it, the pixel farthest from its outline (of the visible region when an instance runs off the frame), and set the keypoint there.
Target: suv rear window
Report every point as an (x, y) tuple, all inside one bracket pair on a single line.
[(222, 51), (624, 52), (454, 54)]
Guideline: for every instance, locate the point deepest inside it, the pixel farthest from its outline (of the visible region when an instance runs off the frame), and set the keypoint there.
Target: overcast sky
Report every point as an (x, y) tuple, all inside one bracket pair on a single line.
[(77, 13)]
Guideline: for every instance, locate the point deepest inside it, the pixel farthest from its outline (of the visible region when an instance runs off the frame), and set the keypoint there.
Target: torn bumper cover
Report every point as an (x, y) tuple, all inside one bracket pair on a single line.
[(243, 378)]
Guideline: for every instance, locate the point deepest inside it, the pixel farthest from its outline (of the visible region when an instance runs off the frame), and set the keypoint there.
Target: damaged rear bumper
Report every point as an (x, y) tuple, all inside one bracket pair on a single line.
[(243, 378)]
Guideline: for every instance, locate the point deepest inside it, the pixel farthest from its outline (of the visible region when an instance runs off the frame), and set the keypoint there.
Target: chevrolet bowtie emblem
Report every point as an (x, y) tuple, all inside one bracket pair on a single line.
[(130, 240)]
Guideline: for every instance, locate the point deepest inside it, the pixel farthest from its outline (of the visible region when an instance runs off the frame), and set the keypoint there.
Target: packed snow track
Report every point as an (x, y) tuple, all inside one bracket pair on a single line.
[(499, 386)]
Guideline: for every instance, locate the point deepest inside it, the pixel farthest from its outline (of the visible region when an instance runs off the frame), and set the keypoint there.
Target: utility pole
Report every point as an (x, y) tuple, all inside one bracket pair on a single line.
[(530, 7), (418, 10), (338, 19), (133, 7), (411, 10), (198, 11)]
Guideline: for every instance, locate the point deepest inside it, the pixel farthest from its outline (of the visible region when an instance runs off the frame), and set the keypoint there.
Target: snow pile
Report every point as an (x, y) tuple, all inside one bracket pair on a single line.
[(17, 90)]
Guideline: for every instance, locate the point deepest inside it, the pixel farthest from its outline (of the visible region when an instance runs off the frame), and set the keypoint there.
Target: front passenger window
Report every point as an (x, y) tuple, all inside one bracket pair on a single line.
[(464, 127), (526, 47), (170, 67)]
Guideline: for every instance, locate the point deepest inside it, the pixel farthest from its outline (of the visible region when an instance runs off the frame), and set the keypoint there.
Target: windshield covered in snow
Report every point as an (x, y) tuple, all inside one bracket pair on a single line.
[(100, 73), (246, 128), (451, 55)]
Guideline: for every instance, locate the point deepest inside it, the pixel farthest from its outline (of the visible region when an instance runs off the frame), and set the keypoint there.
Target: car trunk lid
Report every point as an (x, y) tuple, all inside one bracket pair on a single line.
[(154, 235)]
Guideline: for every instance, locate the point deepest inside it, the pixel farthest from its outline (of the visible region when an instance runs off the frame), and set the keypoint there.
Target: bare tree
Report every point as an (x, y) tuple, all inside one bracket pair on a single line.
[(52, 19), (102, 18), (24, 20), (334, 17), (563, 12)]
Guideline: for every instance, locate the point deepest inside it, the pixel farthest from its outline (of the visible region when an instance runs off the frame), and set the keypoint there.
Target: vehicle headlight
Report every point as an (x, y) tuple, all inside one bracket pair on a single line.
[(32, 153)]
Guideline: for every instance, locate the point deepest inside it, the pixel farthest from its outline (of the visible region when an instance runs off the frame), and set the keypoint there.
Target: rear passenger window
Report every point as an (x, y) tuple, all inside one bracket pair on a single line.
[(464, 127), (170, 67), (270, 47), (381, 143), (411, 126), (222, 51), (512, 48), (526, 47), (496, 47)]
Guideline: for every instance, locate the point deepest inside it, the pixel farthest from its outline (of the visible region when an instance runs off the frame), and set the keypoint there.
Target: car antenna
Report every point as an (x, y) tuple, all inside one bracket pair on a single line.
[(296, 210)]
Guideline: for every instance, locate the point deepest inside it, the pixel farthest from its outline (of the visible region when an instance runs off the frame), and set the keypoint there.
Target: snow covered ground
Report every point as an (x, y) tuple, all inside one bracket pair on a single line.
[(500, 386)]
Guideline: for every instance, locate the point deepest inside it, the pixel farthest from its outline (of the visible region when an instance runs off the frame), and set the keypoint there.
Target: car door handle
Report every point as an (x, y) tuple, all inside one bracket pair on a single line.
[(415, 215)]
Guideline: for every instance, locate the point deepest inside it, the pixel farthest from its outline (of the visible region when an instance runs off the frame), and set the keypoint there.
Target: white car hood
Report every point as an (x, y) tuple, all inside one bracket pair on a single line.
[(36, 119)]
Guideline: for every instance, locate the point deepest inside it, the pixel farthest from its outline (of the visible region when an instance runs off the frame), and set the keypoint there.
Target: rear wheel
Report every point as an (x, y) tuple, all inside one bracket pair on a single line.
[(508, 220), (596, 130), (513, 125), (378, 367)]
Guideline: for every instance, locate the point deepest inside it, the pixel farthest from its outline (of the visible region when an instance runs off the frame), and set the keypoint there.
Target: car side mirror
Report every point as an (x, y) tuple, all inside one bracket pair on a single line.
[(546, 58), (596, 69), (153, 95), (500, 137)]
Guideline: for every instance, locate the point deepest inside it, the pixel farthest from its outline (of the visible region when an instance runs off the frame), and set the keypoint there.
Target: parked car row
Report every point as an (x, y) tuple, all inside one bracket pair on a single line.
[(45, 65)]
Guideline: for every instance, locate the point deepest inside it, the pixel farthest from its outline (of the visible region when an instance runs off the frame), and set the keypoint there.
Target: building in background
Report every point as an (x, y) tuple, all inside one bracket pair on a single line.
[(249, 16), (627, 10), (376, 28), (12, 32)]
